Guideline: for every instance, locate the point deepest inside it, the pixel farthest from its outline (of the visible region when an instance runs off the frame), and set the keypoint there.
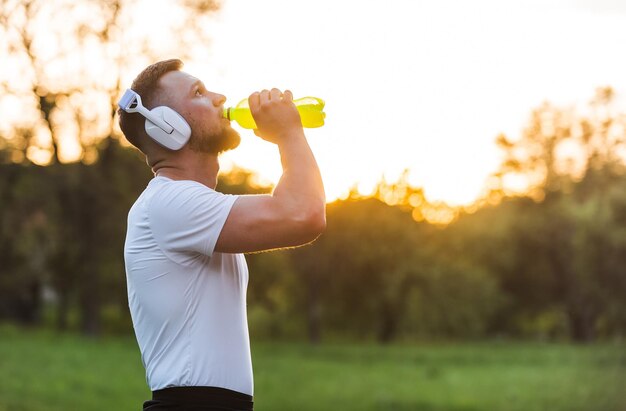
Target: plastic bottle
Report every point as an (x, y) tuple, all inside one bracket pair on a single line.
[(310, 109)]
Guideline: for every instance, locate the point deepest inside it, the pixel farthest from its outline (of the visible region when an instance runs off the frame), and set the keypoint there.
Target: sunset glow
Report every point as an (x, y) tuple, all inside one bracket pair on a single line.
[(410, 86), (423, 86)]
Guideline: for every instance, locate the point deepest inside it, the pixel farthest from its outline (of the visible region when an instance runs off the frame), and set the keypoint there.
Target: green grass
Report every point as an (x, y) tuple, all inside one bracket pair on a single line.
[(45, 371)]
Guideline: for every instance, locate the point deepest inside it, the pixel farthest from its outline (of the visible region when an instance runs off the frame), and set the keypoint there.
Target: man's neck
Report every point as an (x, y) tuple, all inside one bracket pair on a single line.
[(189, 165)]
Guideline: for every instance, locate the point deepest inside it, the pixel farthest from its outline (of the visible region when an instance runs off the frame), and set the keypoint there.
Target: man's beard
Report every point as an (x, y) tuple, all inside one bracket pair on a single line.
[(227, 139)]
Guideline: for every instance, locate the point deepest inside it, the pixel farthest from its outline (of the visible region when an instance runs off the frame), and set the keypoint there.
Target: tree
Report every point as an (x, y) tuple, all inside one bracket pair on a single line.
[(67, 61), (359, 272), (559, 146), (24, 242), (572, 164), (64, 64)]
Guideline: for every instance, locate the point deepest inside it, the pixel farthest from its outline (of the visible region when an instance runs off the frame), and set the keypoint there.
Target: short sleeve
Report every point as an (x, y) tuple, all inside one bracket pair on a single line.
[(187, 216)]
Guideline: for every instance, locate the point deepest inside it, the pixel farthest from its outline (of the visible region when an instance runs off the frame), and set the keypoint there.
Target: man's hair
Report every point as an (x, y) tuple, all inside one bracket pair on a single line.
[(146, 85)]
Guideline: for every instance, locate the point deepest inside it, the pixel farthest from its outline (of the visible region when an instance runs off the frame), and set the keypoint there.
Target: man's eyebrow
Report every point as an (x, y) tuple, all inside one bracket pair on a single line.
[(194, 84)]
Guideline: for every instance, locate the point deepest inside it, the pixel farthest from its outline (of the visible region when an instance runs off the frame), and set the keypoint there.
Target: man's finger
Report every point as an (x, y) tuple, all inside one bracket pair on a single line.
[(265, 96), (275, 95), (254, 101)]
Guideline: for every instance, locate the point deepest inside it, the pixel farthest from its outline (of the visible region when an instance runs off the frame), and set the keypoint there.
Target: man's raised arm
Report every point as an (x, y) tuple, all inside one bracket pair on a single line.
[(294, 214)]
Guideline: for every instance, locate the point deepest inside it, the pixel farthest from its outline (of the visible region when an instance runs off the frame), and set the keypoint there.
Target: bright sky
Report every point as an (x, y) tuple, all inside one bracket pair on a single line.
[(423, 85)]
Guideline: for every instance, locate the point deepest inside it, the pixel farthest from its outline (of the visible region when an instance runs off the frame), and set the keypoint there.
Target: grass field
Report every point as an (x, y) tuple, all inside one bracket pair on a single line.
[(44, 371)]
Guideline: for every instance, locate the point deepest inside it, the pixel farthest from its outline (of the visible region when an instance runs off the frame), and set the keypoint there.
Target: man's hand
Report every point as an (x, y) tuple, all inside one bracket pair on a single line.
[(275, 115)]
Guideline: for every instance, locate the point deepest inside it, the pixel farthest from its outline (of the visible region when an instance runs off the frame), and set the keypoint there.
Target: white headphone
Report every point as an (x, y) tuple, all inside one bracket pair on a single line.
[(163, 124)]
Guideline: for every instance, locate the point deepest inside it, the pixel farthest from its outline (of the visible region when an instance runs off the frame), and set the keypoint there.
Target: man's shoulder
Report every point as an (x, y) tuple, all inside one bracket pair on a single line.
[(185, 215), (184, 198)]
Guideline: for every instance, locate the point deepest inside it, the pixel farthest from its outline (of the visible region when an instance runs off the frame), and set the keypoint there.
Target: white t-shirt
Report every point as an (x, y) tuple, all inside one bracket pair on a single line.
[(188, 303)]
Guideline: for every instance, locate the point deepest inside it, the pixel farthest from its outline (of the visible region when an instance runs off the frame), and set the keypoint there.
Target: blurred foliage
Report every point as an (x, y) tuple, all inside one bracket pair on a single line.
[(65, 63), (559, 146), (542, 254), (549, 267), (62, 225), (548, 262)]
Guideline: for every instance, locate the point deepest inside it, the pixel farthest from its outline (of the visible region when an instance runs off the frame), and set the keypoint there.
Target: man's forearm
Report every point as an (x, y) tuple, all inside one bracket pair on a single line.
[(300, 188)]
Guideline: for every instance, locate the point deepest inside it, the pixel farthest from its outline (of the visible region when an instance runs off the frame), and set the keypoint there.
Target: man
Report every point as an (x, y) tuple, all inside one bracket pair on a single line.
[(186, 274)]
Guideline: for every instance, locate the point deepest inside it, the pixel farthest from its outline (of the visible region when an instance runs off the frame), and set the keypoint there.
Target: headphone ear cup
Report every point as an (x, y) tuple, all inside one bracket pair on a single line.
[(181, 131)]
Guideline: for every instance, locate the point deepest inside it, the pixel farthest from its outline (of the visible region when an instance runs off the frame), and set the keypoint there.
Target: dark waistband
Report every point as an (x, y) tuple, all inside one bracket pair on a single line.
[(199, 396)]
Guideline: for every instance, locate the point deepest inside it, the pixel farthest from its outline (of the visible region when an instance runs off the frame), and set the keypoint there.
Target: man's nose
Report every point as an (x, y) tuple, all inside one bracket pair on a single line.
[(219, 100)]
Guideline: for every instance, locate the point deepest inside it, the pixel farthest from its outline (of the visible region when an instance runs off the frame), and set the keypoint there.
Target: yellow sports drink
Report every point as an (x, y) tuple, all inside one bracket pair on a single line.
[(311, 111)]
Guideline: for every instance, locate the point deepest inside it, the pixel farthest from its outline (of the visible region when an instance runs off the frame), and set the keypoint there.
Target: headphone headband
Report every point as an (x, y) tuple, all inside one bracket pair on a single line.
[(163, 124), (131, 103)]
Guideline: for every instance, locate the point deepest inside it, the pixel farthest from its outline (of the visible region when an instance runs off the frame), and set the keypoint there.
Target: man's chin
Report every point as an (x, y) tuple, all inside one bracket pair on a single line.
[(229, 140)]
